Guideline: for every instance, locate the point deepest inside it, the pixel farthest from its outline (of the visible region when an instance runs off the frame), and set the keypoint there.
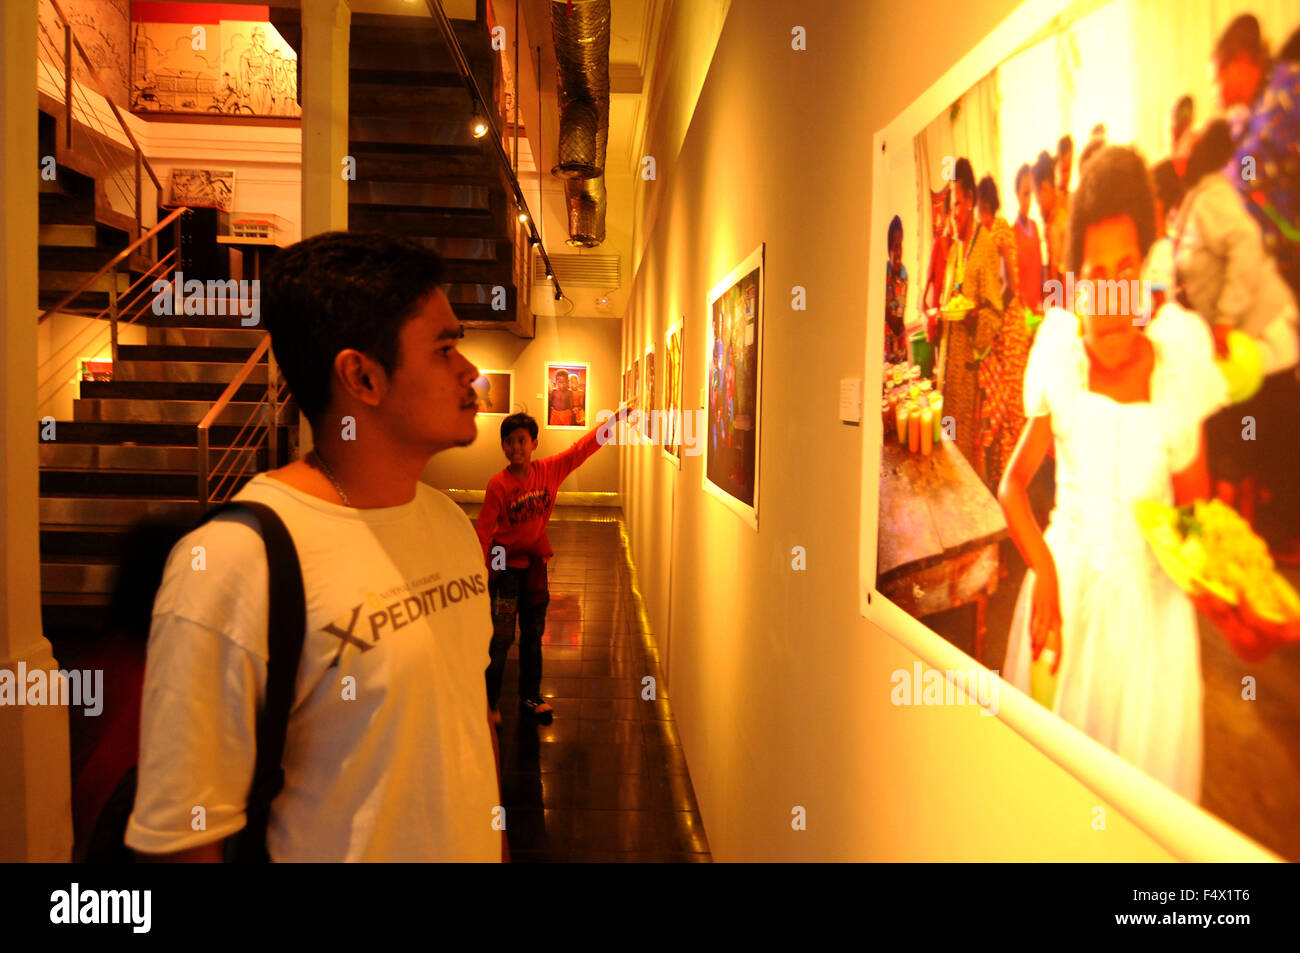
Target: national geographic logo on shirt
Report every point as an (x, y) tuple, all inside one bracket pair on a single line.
[(402, 612)]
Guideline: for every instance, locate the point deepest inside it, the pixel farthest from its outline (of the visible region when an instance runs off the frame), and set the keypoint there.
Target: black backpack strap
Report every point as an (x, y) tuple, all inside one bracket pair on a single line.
[(285, 630)]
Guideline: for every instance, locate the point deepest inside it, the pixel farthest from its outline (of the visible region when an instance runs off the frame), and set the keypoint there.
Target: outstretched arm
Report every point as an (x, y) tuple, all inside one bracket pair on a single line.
[(566, 461)]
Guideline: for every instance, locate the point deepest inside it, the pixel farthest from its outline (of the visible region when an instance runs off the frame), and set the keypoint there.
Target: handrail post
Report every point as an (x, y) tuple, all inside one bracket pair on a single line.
[(139, 193), (67, 81), (112, 313), (272, 432), (176, 244), (203, 468)]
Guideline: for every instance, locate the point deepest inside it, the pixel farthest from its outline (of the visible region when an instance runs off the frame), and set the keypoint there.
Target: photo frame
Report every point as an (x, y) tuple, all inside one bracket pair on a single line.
[(496, 390), (1185, 829), (673, 390), (567, 402), (202, 188), (733, 376)]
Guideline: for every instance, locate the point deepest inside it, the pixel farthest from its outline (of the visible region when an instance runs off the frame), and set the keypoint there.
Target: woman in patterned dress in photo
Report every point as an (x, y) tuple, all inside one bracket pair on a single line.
[(1002, 373)]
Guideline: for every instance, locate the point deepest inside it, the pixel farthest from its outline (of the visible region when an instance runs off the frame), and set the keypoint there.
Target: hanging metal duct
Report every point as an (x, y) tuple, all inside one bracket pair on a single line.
[(586, 199), (580, 29)]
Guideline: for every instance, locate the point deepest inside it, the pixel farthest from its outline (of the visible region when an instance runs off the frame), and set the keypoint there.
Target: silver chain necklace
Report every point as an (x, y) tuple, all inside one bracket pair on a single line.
[(320, 465)]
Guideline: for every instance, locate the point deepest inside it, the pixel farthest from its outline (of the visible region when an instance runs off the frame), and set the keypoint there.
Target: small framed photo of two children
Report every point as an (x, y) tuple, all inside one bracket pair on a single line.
[(566, 396)]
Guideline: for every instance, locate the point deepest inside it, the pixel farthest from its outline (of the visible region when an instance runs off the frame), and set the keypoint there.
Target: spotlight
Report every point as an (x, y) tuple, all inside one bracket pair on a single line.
[(548, 276), (480, 128), (523, 216), (558, 296)]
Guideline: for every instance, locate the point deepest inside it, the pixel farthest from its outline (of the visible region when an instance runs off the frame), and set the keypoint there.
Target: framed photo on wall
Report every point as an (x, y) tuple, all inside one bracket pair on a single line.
[(733, 369), (673, 422), (566, 396), (988, 342), (496, 391), (647, 402), (202, 188)]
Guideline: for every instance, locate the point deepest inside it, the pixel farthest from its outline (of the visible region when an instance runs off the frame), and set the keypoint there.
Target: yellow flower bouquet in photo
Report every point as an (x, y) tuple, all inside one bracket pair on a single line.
[(1208, 544)]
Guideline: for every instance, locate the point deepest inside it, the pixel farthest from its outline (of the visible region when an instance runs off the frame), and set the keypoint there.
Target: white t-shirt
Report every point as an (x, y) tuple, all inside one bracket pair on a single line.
[(388, 755)]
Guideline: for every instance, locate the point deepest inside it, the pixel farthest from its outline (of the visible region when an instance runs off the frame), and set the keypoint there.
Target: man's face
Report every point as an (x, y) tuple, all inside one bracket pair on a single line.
[(1025, 194), (1238, 80), (1046, 199), (962, 207), (519, 447), (561, 381), (431, 400)]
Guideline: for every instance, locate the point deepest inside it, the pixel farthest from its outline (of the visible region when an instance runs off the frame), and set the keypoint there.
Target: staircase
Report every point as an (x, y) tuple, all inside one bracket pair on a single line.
[(420, 171), (130, 451)]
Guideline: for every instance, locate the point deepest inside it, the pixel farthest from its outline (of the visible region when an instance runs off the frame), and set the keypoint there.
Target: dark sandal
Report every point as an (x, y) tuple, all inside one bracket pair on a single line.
[(530, 706)]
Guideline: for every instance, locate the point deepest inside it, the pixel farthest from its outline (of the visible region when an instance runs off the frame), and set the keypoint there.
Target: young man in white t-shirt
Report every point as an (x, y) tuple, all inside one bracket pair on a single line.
[(389, 755)]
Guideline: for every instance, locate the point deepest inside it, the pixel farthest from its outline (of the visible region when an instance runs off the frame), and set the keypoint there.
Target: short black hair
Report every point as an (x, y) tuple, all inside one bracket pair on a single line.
[(1290, 51), (1023, 171), (1095, 145), (518, 422), (947, 201), (1044, 169), (1184, 106), (1065, 144), (965, 175), (1169, 188), (341, 290), (1114, 184), (1241, 36), (895, 225), (988, 194), (1212, 152)]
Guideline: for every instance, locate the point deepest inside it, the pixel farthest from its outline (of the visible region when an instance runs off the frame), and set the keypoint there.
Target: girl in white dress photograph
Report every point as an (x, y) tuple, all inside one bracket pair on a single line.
[(1122, 399)]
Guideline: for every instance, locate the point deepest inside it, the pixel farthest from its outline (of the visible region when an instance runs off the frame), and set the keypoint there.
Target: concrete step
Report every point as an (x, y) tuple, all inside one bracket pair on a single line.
[(68, 236), (61, 282), (197, 372), (134, 410), (156, 459), (168, 390), (404, 221), (426, 195), (151, 433), (183, 354), (386, 99), (204, 337), (99, 511), (147, 484)]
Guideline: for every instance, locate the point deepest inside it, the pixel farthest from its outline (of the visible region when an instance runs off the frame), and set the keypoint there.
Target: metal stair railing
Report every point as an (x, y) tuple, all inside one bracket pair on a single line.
[(116, 313), (218, 482)]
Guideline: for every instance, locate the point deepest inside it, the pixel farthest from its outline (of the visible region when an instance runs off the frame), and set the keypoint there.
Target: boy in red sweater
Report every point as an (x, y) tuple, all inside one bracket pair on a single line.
[(512, 528)]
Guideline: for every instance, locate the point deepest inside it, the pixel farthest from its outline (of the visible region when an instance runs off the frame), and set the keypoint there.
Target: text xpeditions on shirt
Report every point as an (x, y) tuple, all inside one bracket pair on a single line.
[(388, 755)]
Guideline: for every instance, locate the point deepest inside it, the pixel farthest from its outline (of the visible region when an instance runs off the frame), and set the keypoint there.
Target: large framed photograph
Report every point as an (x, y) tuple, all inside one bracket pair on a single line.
[(495, 390), (733, 369), (566, 396), (1059, 485), (673, 422)]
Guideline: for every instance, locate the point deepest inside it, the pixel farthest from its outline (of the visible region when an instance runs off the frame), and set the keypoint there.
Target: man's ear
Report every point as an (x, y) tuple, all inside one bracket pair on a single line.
[(361, 376)]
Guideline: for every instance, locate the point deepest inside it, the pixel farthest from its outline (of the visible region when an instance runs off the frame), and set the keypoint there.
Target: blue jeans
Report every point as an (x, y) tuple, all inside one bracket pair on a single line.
[(518, 596)]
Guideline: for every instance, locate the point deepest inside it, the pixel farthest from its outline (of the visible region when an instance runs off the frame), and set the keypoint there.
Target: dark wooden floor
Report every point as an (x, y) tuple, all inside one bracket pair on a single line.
[(607, 780)]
